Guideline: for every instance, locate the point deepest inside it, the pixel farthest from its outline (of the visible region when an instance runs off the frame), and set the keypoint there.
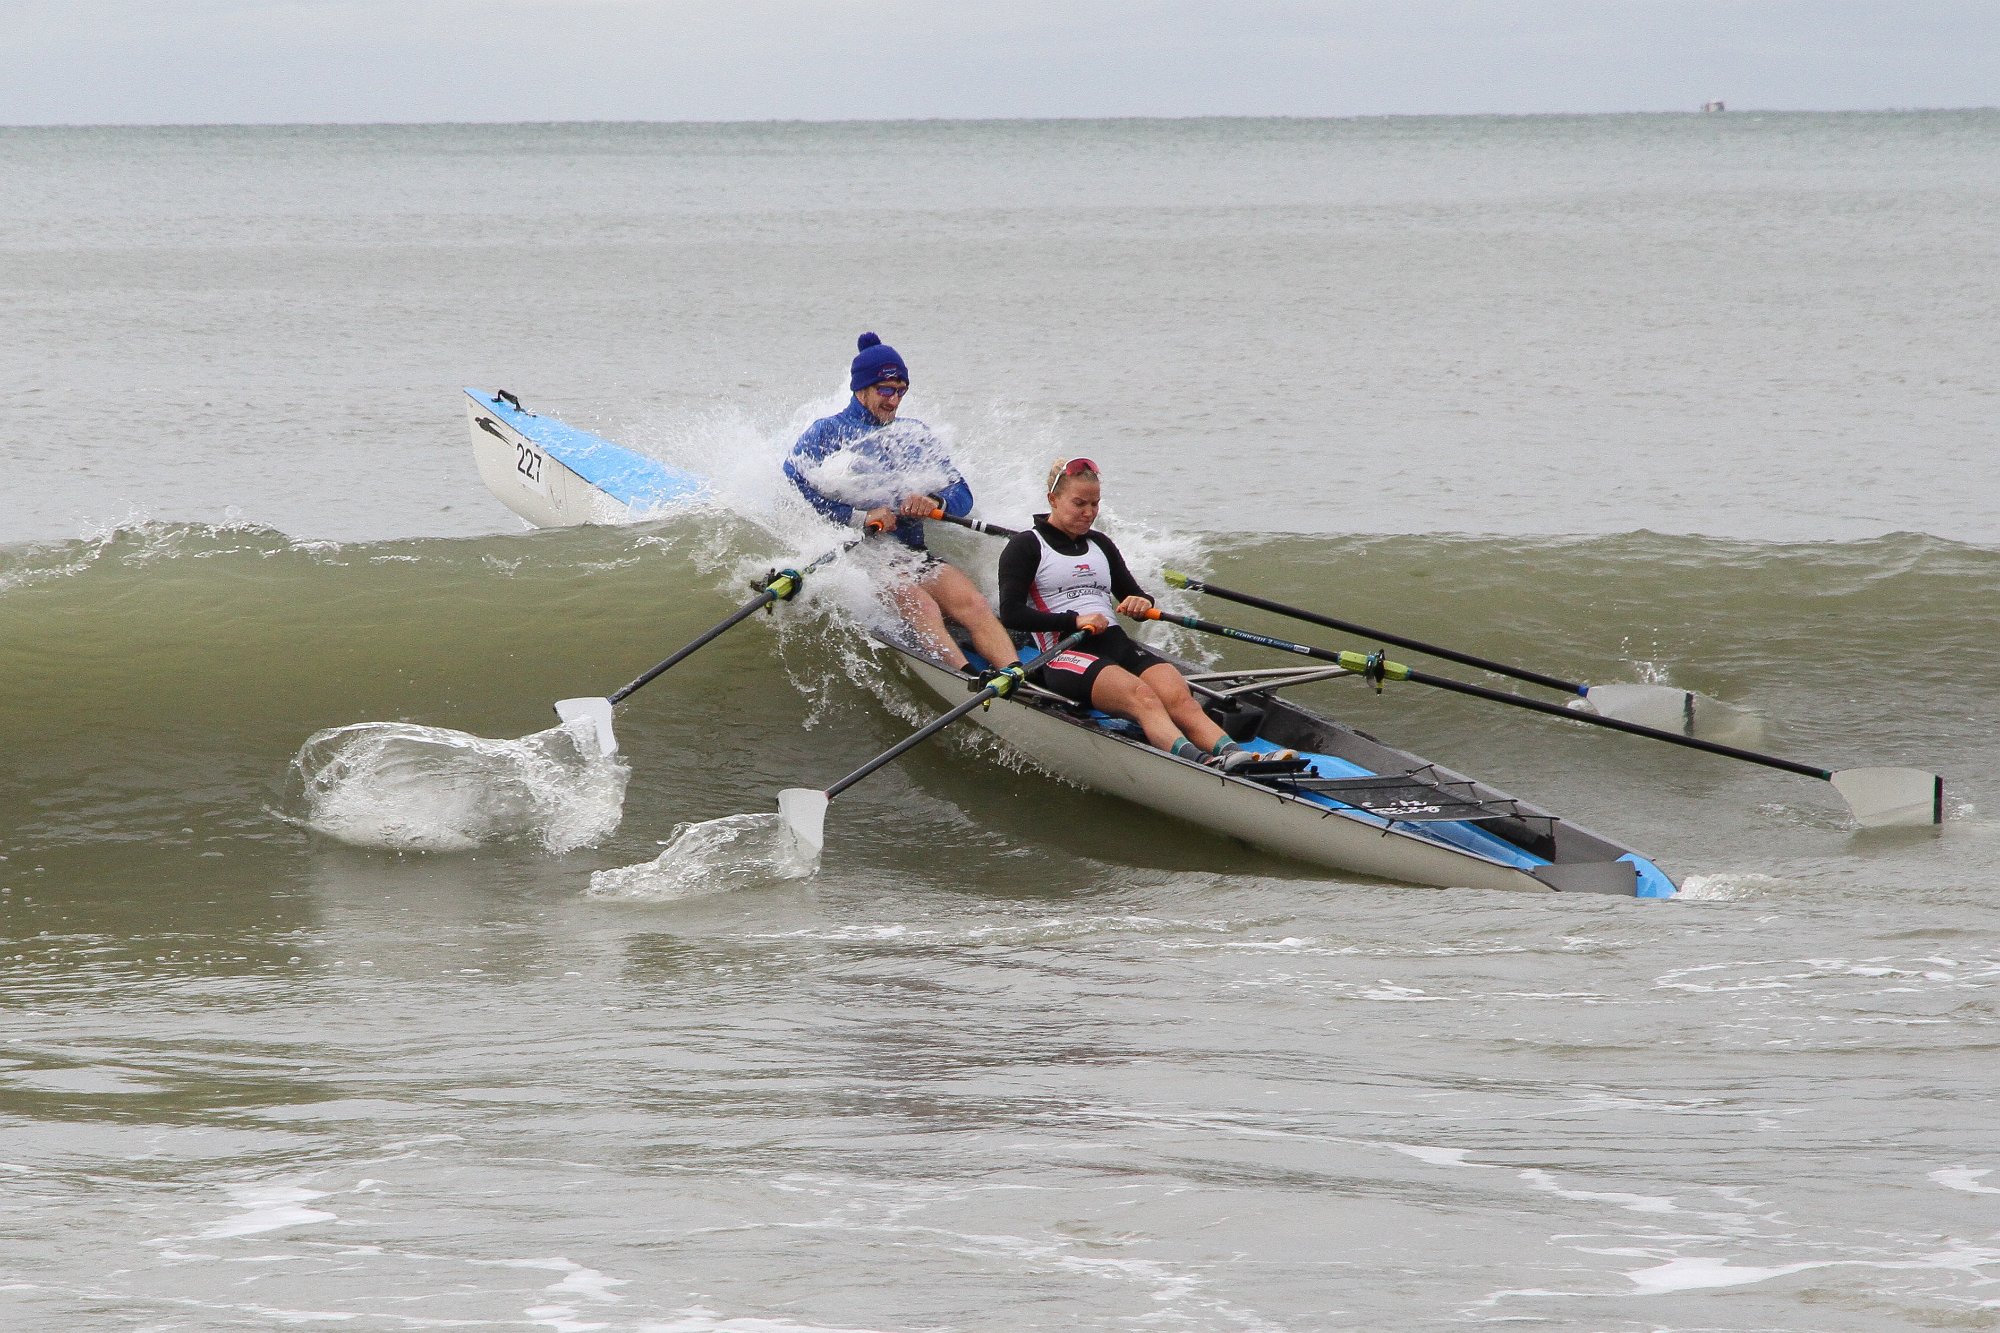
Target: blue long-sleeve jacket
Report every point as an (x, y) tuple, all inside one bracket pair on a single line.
[(888, 463)]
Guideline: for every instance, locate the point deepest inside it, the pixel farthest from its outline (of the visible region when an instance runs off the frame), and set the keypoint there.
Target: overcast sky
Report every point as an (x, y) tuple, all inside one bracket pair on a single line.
[(208, 61)]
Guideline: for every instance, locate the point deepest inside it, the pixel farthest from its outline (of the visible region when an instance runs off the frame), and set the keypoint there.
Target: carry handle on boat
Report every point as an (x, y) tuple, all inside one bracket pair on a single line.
[(779, 586), (1660, 707), (1879, 797), (803, 809)]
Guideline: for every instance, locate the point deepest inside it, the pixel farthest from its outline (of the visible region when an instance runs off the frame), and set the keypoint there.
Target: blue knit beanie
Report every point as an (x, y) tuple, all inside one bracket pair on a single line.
[(878, 361)]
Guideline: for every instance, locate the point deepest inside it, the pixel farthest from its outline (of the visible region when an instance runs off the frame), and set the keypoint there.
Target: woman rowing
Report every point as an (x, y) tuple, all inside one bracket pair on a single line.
[(1061, 576)]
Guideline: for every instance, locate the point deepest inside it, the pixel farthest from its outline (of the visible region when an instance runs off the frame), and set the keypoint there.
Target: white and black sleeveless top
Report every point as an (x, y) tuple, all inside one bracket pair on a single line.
[(1048, 578)]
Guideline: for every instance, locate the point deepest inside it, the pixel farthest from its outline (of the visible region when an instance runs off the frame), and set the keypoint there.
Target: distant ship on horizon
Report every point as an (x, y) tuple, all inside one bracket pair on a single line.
[(1712, 106)]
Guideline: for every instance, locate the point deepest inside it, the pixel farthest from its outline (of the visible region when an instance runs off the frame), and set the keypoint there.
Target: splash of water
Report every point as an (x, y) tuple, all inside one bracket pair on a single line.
[(406, 787), (714, 856)]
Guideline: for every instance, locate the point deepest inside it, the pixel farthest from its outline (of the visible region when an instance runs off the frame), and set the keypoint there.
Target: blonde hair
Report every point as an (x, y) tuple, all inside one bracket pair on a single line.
[(1059, 472)]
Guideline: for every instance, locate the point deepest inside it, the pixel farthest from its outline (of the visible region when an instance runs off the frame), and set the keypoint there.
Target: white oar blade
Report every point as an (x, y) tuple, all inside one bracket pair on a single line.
[(597, 712), (1665, 708), (1891, 797), (804, 811)]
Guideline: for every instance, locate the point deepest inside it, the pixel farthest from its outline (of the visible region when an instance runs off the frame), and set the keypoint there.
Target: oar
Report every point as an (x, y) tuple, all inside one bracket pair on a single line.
[(1878, 796), (976, 524), (1656, 706), (804, 808), (1651, 705), (782, 585)]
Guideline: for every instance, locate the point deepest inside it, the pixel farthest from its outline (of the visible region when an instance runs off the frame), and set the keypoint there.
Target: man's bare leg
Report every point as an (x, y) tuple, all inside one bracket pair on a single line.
[(961, 601), (920, 611)]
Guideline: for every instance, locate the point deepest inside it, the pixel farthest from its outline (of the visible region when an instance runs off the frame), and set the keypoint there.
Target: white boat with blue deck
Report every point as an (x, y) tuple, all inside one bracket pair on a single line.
[(555, 475)]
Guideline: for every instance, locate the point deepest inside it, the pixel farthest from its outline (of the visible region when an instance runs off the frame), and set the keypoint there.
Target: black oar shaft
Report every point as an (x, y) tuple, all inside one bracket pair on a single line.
[(937, 724), (1358, 662), (909, 742), (976, 524), (1349, 627), (1181, 580), (1617, 724), (782, 585), (1361, 663), (742, 613)]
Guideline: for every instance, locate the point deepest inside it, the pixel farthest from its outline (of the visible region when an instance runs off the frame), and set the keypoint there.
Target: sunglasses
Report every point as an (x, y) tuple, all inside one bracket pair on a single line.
[(1070, 467), (890, 390)]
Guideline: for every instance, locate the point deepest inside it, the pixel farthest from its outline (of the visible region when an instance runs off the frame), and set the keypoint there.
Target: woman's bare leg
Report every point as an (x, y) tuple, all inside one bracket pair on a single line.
[(1171, 688), (1117, 690)]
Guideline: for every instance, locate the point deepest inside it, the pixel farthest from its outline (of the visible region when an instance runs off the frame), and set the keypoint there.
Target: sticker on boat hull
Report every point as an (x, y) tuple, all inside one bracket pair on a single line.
[(531, 467)]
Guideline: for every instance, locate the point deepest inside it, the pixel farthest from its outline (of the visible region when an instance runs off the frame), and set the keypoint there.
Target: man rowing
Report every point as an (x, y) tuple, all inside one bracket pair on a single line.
[(1063, 575), (863, 465)]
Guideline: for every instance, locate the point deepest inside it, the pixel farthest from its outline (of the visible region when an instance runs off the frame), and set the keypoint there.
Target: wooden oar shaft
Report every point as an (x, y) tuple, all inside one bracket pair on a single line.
[(1180, 580), (1363, 664), (937, 724)]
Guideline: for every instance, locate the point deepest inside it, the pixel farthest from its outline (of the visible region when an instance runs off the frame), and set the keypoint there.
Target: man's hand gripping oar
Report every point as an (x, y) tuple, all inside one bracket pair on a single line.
[(804, 808), (779, 586), (1879, 797)]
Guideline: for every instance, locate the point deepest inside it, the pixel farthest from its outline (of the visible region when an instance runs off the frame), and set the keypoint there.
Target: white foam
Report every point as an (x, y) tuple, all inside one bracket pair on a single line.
[(1435, 1156), (401, 786), (1700, 1274), (1726, 887), (1964, 1178), (268, 1207), (1638, 1203), (711, 857), (700, 1319)]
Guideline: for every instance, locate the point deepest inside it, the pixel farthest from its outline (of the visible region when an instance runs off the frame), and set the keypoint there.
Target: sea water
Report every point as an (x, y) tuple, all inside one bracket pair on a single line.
[(1705, 400)]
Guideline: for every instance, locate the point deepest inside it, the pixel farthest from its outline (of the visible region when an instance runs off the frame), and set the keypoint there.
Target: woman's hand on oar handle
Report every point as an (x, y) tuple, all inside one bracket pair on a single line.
[(1093, 622), (1138, 606)]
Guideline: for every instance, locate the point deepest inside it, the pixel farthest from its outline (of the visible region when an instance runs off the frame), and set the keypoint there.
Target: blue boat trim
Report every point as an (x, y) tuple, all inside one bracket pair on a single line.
[(1460, 834), (1653, 881), (638, 482)]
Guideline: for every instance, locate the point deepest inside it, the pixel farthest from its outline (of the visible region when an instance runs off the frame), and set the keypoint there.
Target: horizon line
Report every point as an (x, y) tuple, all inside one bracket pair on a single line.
[(1697, 112)]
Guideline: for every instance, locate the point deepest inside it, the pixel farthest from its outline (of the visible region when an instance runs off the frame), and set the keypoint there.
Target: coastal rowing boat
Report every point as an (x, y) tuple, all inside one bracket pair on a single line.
[(555, 475), (1357, 805)]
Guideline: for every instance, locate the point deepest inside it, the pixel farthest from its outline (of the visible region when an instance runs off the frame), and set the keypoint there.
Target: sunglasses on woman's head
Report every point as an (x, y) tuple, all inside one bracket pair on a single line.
[(1076, 467)]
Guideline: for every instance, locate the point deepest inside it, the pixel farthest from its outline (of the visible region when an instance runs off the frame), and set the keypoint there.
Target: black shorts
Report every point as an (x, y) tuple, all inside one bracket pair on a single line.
[(1071, 673)]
